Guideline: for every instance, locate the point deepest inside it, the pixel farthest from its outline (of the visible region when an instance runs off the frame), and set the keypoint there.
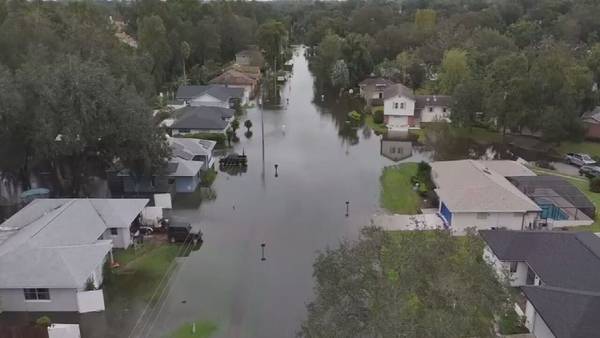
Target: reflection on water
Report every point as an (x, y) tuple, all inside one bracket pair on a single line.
[(397, 146)]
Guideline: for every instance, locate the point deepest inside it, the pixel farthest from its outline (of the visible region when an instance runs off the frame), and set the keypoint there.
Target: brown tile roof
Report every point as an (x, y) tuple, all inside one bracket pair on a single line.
[(234, 77)]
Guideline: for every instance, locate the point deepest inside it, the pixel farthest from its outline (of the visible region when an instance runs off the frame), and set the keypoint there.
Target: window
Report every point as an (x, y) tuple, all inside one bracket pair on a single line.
[(395, 105), (431, 109), (513, 267), (482, 215), (392, 150), (445, 110), (401, 105), (36, 294), (171, 181), (114, 231)]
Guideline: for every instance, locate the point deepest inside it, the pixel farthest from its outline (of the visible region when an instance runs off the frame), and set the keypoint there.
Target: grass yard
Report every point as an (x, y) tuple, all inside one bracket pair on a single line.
[(379, 128), (140, 271), (591, 148), (203, 330), (397, 194)]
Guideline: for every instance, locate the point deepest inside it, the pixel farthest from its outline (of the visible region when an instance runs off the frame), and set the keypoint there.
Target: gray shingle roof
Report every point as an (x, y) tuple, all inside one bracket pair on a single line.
[(188, 148), (398, 89), (568, 313), (561, 259), (217, 91), (202, 117), (375, 81), (54, 242), (423, 101)]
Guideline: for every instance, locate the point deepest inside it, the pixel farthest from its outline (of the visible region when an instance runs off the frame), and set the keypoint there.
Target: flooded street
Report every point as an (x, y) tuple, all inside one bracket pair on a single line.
[(323, 163)]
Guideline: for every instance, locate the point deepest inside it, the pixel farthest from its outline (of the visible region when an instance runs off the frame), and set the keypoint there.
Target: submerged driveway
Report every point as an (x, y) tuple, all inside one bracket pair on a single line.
[(322, 164)]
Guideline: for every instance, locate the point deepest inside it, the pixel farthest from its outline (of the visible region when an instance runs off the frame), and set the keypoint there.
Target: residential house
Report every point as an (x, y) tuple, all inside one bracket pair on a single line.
[(371, 89), (558, 274), (201, 119), (591, 121), (251, 71), (235, 79), (178, 176), (52, 252), (402, 109), (210, 95), (477, 194), (250, 57), (192, 149)]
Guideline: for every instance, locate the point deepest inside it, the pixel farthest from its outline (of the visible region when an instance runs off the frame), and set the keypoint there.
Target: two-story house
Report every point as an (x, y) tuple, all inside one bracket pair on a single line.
[(402, 109)]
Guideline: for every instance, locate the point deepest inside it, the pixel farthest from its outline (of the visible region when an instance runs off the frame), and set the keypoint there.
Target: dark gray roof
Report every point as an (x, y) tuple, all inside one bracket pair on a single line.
[(537, 186), (375, 81), (423, 101), (568, 313), (398, 89), (561, 259), (220, 92), (202, 117)]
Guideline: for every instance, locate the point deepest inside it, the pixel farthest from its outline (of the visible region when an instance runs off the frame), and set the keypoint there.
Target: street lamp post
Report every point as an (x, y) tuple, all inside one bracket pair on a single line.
[(347, 208), (276, 167), (262, 247)]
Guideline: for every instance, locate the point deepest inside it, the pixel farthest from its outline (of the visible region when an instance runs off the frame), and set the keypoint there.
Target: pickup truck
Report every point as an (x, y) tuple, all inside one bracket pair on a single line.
[(579, 159)]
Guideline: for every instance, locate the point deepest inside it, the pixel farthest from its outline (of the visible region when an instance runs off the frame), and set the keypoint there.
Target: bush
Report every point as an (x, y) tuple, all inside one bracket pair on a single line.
[(378, 116), (43, 321), (545, 165), (595, 184), (354, 115), (219, 138)]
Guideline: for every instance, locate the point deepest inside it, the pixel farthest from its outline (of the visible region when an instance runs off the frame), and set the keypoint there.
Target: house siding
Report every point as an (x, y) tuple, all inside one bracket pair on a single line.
[(502, 269), (60, 300), (437, 114), (187, 184), (535, 323), (121, 240), (509, 220)]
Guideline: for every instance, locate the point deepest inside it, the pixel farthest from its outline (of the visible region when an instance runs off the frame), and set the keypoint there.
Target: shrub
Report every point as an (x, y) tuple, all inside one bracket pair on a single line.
[(545, 165), (378, 116), (89, 285), (595, 184), (43, 321), (354, 115)]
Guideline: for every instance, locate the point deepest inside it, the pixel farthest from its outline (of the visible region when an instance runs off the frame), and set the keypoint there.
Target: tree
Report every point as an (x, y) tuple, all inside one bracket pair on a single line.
[(425, 20), (422, 284), (455, 70), (271, 37), (152, 37), (467, 100), (248, 124), (329, 51), (235, 125), (340, 77), (185, 54)]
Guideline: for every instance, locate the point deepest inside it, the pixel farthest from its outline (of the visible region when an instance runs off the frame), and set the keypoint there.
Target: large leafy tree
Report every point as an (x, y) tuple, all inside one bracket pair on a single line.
[(152, 36), (272, 37), (78, 119), (454, 70), (412, 284)]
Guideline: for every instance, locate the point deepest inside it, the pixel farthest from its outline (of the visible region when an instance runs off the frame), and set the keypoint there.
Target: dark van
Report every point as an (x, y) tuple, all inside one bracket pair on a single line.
[(182, 232)]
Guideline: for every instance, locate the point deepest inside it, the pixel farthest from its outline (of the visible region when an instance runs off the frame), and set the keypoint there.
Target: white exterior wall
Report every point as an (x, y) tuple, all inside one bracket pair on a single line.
[(408, 110), (60, 300), (535, 323), (510, 220), (502, 269), (247, 92), (436, 115), (121, 240)]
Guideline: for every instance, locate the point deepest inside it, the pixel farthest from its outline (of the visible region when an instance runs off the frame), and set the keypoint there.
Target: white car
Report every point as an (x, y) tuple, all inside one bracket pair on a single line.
[(579, 159)]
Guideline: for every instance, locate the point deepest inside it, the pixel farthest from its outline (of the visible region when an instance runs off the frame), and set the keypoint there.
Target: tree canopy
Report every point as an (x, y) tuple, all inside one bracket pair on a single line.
[(419, 284)]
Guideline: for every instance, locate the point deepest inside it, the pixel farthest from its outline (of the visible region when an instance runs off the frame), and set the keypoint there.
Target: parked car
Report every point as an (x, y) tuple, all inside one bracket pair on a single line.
[(589, 171), (183, 232), (579, 159)]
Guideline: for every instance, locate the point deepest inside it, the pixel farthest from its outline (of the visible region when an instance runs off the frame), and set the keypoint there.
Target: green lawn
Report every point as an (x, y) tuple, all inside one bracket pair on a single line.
[(203, 330), (377, 127), (140, 271), (397, 195), (591, 148)]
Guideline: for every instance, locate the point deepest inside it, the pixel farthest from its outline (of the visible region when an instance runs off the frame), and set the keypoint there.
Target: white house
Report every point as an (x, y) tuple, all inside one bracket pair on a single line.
[(52, 252), (477, 194), (558, 273), (192, 149), (402, 109)]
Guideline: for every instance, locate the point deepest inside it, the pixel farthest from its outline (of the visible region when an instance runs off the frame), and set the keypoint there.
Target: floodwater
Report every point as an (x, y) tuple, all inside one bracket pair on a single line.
[(322, 163)]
